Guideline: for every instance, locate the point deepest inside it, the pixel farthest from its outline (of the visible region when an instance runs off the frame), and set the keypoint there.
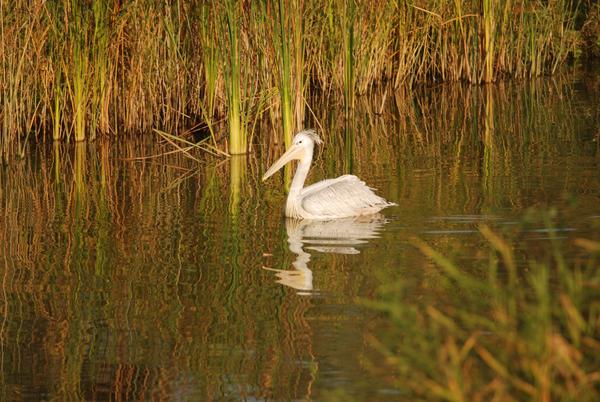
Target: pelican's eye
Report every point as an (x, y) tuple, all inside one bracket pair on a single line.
[(300, 142)]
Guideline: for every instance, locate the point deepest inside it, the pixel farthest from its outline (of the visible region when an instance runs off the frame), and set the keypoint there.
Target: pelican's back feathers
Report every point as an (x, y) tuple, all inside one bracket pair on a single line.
[(345, 196)]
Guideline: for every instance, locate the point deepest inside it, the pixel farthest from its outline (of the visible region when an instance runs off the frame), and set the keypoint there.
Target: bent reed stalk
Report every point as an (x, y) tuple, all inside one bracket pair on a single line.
[(70, 71)]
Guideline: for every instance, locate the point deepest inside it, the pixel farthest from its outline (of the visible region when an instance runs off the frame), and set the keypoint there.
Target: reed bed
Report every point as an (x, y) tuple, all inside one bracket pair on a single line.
[(75, 69)]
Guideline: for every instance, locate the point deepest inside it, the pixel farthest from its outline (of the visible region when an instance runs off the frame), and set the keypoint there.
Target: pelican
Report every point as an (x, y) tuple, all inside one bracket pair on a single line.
[(343, 197)]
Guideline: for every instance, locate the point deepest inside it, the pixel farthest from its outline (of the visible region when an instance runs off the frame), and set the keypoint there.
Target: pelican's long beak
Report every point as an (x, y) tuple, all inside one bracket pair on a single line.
[(294, 152)]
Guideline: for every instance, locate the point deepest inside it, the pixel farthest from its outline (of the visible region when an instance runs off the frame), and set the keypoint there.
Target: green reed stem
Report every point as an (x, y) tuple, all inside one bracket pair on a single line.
[(237, 134), (101, 61), (299, 70), (79, 67), (349, 84), (286, 76), (488, 17), (210, 60), (58, 96)]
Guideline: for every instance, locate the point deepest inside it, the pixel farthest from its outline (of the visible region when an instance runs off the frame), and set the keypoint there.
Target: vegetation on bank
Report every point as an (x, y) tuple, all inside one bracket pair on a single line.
[(76, 69)]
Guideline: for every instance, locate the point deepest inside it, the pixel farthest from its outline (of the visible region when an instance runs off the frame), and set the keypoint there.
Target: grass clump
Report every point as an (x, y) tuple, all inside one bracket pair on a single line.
[(515, 329)]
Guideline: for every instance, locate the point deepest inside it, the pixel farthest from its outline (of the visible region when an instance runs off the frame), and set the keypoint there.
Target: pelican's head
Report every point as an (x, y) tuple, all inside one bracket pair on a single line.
[(308, 136), (301, 148)]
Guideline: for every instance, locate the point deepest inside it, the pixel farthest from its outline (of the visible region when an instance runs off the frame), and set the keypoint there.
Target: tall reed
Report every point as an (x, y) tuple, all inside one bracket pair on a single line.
[(286, 74), (348, 29), (78, 36), (210, 61), (237, 134), (101, 64), (300, 76)]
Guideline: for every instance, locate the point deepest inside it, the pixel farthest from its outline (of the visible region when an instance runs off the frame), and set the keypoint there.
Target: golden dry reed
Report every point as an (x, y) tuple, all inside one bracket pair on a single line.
[(74, 69)]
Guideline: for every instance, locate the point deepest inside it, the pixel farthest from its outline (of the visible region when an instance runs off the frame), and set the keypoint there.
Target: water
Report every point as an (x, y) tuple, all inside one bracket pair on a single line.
[(163, 278)]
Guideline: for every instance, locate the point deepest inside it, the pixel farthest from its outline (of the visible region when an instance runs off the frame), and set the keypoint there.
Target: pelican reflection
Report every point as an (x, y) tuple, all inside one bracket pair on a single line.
[(336, 236)]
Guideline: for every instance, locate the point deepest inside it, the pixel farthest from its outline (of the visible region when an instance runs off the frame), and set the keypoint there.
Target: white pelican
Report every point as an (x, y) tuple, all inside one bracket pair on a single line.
[(328, 199)]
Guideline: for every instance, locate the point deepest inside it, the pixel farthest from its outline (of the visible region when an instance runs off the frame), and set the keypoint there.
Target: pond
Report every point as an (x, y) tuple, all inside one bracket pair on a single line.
[(128, 273)]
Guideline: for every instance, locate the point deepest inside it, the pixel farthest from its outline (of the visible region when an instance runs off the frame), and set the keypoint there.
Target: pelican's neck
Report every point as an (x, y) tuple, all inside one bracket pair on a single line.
[(301, 173)]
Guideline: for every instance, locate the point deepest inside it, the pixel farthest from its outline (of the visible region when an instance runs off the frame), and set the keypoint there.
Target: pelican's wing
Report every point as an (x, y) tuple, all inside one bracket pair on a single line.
[(345, 196)]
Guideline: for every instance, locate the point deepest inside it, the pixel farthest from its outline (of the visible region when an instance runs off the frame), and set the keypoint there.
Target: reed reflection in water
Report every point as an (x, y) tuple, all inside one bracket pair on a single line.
[(129, 278), (337, 236)]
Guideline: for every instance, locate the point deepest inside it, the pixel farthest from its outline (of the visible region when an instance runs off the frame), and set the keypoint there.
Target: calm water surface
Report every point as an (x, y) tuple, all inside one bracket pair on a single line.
[(166, 278)]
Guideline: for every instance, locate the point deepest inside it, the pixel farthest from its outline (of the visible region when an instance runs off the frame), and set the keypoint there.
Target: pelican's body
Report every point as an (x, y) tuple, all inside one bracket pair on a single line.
[(328, 199)]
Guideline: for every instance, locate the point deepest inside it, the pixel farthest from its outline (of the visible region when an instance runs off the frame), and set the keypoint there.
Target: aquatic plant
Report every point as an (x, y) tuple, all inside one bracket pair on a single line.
[(69, 70), (286, 74), (519, 327), (79, 63), (237, 134)]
